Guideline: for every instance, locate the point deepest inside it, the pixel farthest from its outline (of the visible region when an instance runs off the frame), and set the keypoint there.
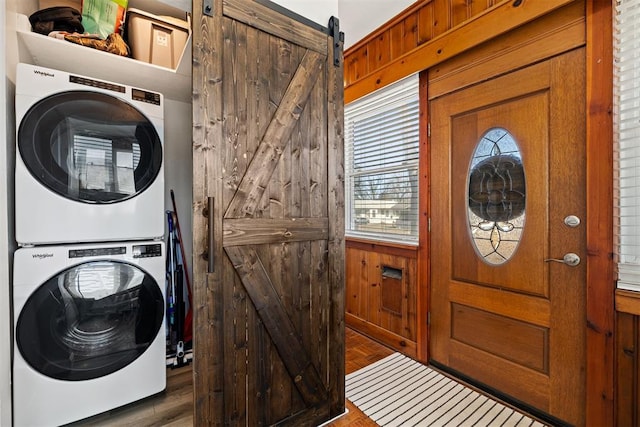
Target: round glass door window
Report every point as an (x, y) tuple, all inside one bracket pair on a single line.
[(90, 147), (496, 196), (90, 320)]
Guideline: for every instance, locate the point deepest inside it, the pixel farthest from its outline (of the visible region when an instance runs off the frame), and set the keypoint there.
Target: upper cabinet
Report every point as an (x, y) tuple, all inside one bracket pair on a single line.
[(48, 52)]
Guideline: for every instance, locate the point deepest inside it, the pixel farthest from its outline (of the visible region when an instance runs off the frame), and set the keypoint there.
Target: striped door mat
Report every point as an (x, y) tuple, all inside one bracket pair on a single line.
[(398, 391)]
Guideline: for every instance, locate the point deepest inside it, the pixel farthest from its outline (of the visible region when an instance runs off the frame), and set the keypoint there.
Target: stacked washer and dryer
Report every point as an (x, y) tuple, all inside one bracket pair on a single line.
[(88, 280)]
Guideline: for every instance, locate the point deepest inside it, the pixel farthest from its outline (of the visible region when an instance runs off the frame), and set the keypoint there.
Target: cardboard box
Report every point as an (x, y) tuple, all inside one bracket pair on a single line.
[(45, 4), (159, 40)]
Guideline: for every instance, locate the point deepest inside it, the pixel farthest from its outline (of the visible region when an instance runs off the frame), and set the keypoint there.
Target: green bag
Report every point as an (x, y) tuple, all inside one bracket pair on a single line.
[(104, 17)]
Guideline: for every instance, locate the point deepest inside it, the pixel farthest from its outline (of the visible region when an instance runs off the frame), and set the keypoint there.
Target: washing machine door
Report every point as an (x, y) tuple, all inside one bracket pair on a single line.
[(90, 320), (90, 147)]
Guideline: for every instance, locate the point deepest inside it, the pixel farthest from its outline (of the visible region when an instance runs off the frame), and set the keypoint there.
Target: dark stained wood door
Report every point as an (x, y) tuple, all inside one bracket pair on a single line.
[(268, 219), (504, 311)]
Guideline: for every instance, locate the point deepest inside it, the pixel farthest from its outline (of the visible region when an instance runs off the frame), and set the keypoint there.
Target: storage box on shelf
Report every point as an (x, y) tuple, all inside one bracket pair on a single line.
[(62, 55), (159, 40)]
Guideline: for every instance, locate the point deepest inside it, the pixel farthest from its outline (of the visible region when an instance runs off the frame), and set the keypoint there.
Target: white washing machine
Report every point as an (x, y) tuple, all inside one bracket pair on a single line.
[(89, 330), (89, 159)]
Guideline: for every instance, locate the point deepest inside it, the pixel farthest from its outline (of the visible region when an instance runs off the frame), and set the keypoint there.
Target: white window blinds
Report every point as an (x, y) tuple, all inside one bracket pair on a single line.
[(627, 141), (381, 150)]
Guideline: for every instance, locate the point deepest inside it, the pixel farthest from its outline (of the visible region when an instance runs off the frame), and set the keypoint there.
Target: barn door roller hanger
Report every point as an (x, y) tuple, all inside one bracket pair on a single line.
[(338, 39), (207, 7)]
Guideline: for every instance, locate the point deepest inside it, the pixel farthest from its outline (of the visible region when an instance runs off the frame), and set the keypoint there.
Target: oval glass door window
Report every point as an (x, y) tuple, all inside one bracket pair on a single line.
[(496, 196), (90, 320)]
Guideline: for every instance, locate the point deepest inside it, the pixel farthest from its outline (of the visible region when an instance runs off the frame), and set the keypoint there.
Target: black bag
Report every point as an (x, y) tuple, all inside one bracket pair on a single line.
[(57, 19)]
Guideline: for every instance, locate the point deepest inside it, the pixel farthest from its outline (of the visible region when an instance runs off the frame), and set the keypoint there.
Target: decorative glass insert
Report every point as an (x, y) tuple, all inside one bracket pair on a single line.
[(496, 196)]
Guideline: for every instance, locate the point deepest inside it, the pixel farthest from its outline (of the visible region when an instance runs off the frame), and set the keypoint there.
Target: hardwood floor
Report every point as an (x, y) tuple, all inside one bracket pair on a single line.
[(360, 352), (174, 407)]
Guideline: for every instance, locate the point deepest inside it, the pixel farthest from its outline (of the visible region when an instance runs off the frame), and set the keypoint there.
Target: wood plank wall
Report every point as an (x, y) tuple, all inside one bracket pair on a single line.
[(432, 31), (381, 293), (627, 356), (628, 370), (416, 25), (429, 32)]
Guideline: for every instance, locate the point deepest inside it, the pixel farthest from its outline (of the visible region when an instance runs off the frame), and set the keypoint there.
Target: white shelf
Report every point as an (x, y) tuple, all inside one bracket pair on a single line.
[(73, 58), (175, 8)]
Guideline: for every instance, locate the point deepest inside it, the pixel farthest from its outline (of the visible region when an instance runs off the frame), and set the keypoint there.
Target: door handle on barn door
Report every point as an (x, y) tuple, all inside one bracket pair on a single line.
[(210, 233), (569, 259)]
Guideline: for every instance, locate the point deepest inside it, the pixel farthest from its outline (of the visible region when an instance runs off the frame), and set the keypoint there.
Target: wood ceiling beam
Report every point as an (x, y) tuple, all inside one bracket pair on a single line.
[(495, 21)]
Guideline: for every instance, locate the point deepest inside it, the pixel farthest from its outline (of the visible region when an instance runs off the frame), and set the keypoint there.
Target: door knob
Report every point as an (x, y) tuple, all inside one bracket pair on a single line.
[(569, 259)]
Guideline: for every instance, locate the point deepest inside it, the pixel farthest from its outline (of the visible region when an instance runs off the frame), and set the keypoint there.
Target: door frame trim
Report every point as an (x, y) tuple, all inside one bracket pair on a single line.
[(600, 263)]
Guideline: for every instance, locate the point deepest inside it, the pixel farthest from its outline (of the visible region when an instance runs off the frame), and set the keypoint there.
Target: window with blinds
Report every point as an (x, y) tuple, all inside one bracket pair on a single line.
[(627, 141), (381, 170)]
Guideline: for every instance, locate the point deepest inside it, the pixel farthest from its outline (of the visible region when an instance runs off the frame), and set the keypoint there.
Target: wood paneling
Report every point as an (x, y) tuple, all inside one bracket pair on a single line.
[(445, 29), (518, 341), (385, 336), (600, 266), (628, 302), (357, 274), (627, 370), (532, 310), (627, 357), (434, 42), (425, 26), (469, 358), (379, 304), (557, 32)]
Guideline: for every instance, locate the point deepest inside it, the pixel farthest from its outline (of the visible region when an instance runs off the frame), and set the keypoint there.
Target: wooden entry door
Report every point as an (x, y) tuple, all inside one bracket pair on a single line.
[(506, 312), (268, 218)]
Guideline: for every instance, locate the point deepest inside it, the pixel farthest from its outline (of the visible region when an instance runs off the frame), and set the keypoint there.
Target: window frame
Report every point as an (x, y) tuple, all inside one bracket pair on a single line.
[(401, 97), (627, 142)]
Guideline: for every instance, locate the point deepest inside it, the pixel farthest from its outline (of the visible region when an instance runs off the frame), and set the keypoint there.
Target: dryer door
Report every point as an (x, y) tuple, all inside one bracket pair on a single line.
[(90, 320), (90, 147)]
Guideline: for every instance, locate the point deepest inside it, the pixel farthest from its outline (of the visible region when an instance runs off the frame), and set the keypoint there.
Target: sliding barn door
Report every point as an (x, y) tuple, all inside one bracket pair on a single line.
[(268, 218)]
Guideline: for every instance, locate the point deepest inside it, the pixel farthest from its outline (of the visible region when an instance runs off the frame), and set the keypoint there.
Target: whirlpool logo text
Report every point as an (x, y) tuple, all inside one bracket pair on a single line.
[(43, 73), (42, 256)]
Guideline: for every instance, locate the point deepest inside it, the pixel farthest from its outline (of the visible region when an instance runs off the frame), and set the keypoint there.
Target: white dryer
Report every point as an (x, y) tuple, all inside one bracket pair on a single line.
[(89, 159), (89, 330)]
